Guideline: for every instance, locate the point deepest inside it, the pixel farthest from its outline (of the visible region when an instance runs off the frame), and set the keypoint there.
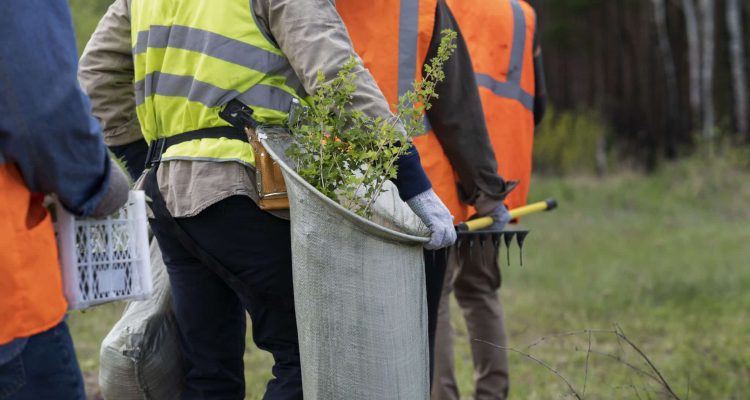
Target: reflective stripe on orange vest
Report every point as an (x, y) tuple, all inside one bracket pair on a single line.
[(31, 291), (499, 35), (393, 47)]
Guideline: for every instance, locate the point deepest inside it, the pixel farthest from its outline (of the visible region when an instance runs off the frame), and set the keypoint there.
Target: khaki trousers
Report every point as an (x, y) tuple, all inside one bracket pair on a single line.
[(473, 274)]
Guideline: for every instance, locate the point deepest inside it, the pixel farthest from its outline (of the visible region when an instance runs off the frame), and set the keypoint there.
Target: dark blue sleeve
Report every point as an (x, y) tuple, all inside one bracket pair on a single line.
[(45, 123), (411, 179)]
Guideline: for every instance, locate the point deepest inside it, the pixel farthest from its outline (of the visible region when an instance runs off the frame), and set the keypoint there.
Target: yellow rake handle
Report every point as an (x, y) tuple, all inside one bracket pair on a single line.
[(485, 222)]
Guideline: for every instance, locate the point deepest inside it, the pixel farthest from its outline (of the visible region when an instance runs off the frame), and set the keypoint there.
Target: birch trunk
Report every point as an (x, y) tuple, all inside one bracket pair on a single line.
[(708, 13), (665, 52), (694, 58), (737, 60)]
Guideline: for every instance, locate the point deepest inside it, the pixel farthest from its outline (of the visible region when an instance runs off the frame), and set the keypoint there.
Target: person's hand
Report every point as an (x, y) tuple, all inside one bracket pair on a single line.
[(436, 216), (500, 217), (488, 207), (117, 192)]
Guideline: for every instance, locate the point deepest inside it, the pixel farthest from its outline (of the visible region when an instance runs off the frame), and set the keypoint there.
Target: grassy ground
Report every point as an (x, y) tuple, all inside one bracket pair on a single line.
[(666, 257)]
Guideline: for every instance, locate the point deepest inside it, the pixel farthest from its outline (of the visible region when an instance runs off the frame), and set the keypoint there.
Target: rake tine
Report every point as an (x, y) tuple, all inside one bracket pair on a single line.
[(521, 236), (482, 239), (471, 245), (496, 239), (508, 236), (459, 255)]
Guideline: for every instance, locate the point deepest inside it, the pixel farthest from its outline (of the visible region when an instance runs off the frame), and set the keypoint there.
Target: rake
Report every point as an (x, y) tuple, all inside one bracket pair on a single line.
[(475, 231)]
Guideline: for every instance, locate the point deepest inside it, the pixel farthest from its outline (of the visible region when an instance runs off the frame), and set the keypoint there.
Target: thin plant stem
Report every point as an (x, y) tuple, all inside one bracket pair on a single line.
[(619, 333), (538, 361), (586, 373)]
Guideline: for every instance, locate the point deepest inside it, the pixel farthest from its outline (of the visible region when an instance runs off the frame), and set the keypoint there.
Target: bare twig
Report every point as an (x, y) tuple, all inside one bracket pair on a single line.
[(586, 373), (620, 333), (651, 373), (565, 334), (626, 363), (636, 390), (538, 361)]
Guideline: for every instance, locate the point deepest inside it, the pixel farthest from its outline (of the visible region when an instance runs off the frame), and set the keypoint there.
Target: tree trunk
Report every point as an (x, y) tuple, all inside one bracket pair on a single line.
[(665, 52), (708, 13), (737, 60), (694, 58)]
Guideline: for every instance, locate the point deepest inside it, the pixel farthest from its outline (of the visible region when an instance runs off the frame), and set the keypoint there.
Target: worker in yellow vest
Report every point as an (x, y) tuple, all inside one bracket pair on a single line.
[(455, 149), (188, 60), (49, 143), (503, 42)]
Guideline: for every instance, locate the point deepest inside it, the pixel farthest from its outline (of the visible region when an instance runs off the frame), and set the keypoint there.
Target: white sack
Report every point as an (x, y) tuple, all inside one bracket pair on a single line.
[(140, 357)]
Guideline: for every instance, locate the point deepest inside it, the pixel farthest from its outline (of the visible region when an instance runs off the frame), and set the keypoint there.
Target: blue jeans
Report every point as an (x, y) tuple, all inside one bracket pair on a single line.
[(45, 369)]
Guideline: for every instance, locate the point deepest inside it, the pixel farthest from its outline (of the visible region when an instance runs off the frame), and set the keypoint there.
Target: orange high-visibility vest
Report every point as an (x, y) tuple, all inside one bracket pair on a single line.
[(31, 290), (500, 38), (392, 38)]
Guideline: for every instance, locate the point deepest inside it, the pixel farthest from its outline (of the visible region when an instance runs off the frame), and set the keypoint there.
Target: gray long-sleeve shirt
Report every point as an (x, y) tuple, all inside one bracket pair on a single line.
[(313, 37)]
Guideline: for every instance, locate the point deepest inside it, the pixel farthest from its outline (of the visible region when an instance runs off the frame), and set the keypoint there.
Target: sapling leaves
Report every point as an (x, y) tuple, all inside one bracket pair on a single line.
[(347, 155)]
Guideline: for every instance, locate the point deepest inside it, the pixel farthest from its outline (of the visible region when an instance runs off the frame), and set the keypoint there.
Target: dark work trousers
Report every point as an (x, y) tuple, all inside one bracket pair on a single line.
[(256, 248), (134, 156), (435, 262)]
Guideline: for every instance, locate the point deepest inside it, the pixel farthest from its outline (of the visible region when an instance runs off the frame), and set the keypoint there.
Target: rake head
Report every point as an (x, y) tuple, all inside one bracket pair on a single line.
[(480, 239)]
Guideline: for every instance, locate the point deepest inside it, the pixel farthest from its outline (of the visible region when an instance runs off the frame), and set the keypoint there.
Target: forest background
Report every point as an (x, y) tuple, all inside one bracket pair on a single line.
[(647, 147)]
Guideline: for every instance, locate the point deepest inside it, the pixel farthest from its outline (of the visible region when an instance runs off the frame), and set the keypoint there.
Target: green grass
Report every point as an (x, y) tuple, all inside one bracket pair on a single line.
[(664, 256)]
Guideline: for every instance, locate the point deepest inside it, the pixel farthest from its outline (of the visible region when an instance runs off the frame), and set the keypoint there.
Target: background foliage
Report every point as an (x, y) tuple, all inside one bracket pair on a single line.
[(603, 56)]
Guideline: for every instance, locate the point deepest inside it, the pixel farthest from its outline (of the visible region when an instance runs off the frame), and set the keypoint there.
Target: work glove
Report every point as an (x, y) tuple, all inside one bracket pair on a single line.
[(488, 207), (436, 216), (116, 195)]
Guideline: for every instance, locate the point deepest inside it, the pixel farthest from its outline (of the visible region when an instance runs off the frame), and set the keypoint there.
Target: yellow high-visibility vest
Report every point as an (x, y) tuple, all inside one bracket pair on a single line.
[(191, 57)]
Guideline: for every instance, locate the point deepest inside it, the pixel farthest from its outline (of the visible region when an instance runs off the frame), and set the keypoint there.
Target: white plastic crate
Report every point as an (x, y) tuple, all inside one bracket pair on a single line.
[(105, 259)]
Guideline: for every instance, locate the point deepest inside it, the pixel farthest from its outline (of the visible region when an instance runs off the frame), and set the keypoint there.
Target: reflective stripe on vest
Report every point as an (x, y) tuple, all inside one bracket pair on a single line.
[(191, 58), (499, 35), (511, 88), (31, 284), (408, 45)]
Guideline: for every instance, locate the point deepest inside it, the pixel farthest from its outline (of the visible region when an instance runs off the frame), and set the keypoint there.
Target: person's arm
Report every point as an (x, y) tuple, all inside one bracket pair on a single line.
[(458, 121), (106, 74), (45, 125), (313, 37), (540, 86)]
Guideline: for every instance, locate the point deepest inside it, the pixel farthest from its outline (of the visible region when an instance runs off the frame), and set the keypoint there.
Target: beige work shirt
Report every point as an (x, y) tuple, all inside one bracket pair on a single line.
[(309, 32)]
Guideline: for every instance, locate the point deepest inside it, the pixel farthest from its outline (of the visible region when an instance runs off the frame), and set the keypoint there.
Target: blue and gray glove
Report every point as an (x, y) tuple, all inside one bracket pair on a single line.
[(488, 207), (436, 216), (116, 195)]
